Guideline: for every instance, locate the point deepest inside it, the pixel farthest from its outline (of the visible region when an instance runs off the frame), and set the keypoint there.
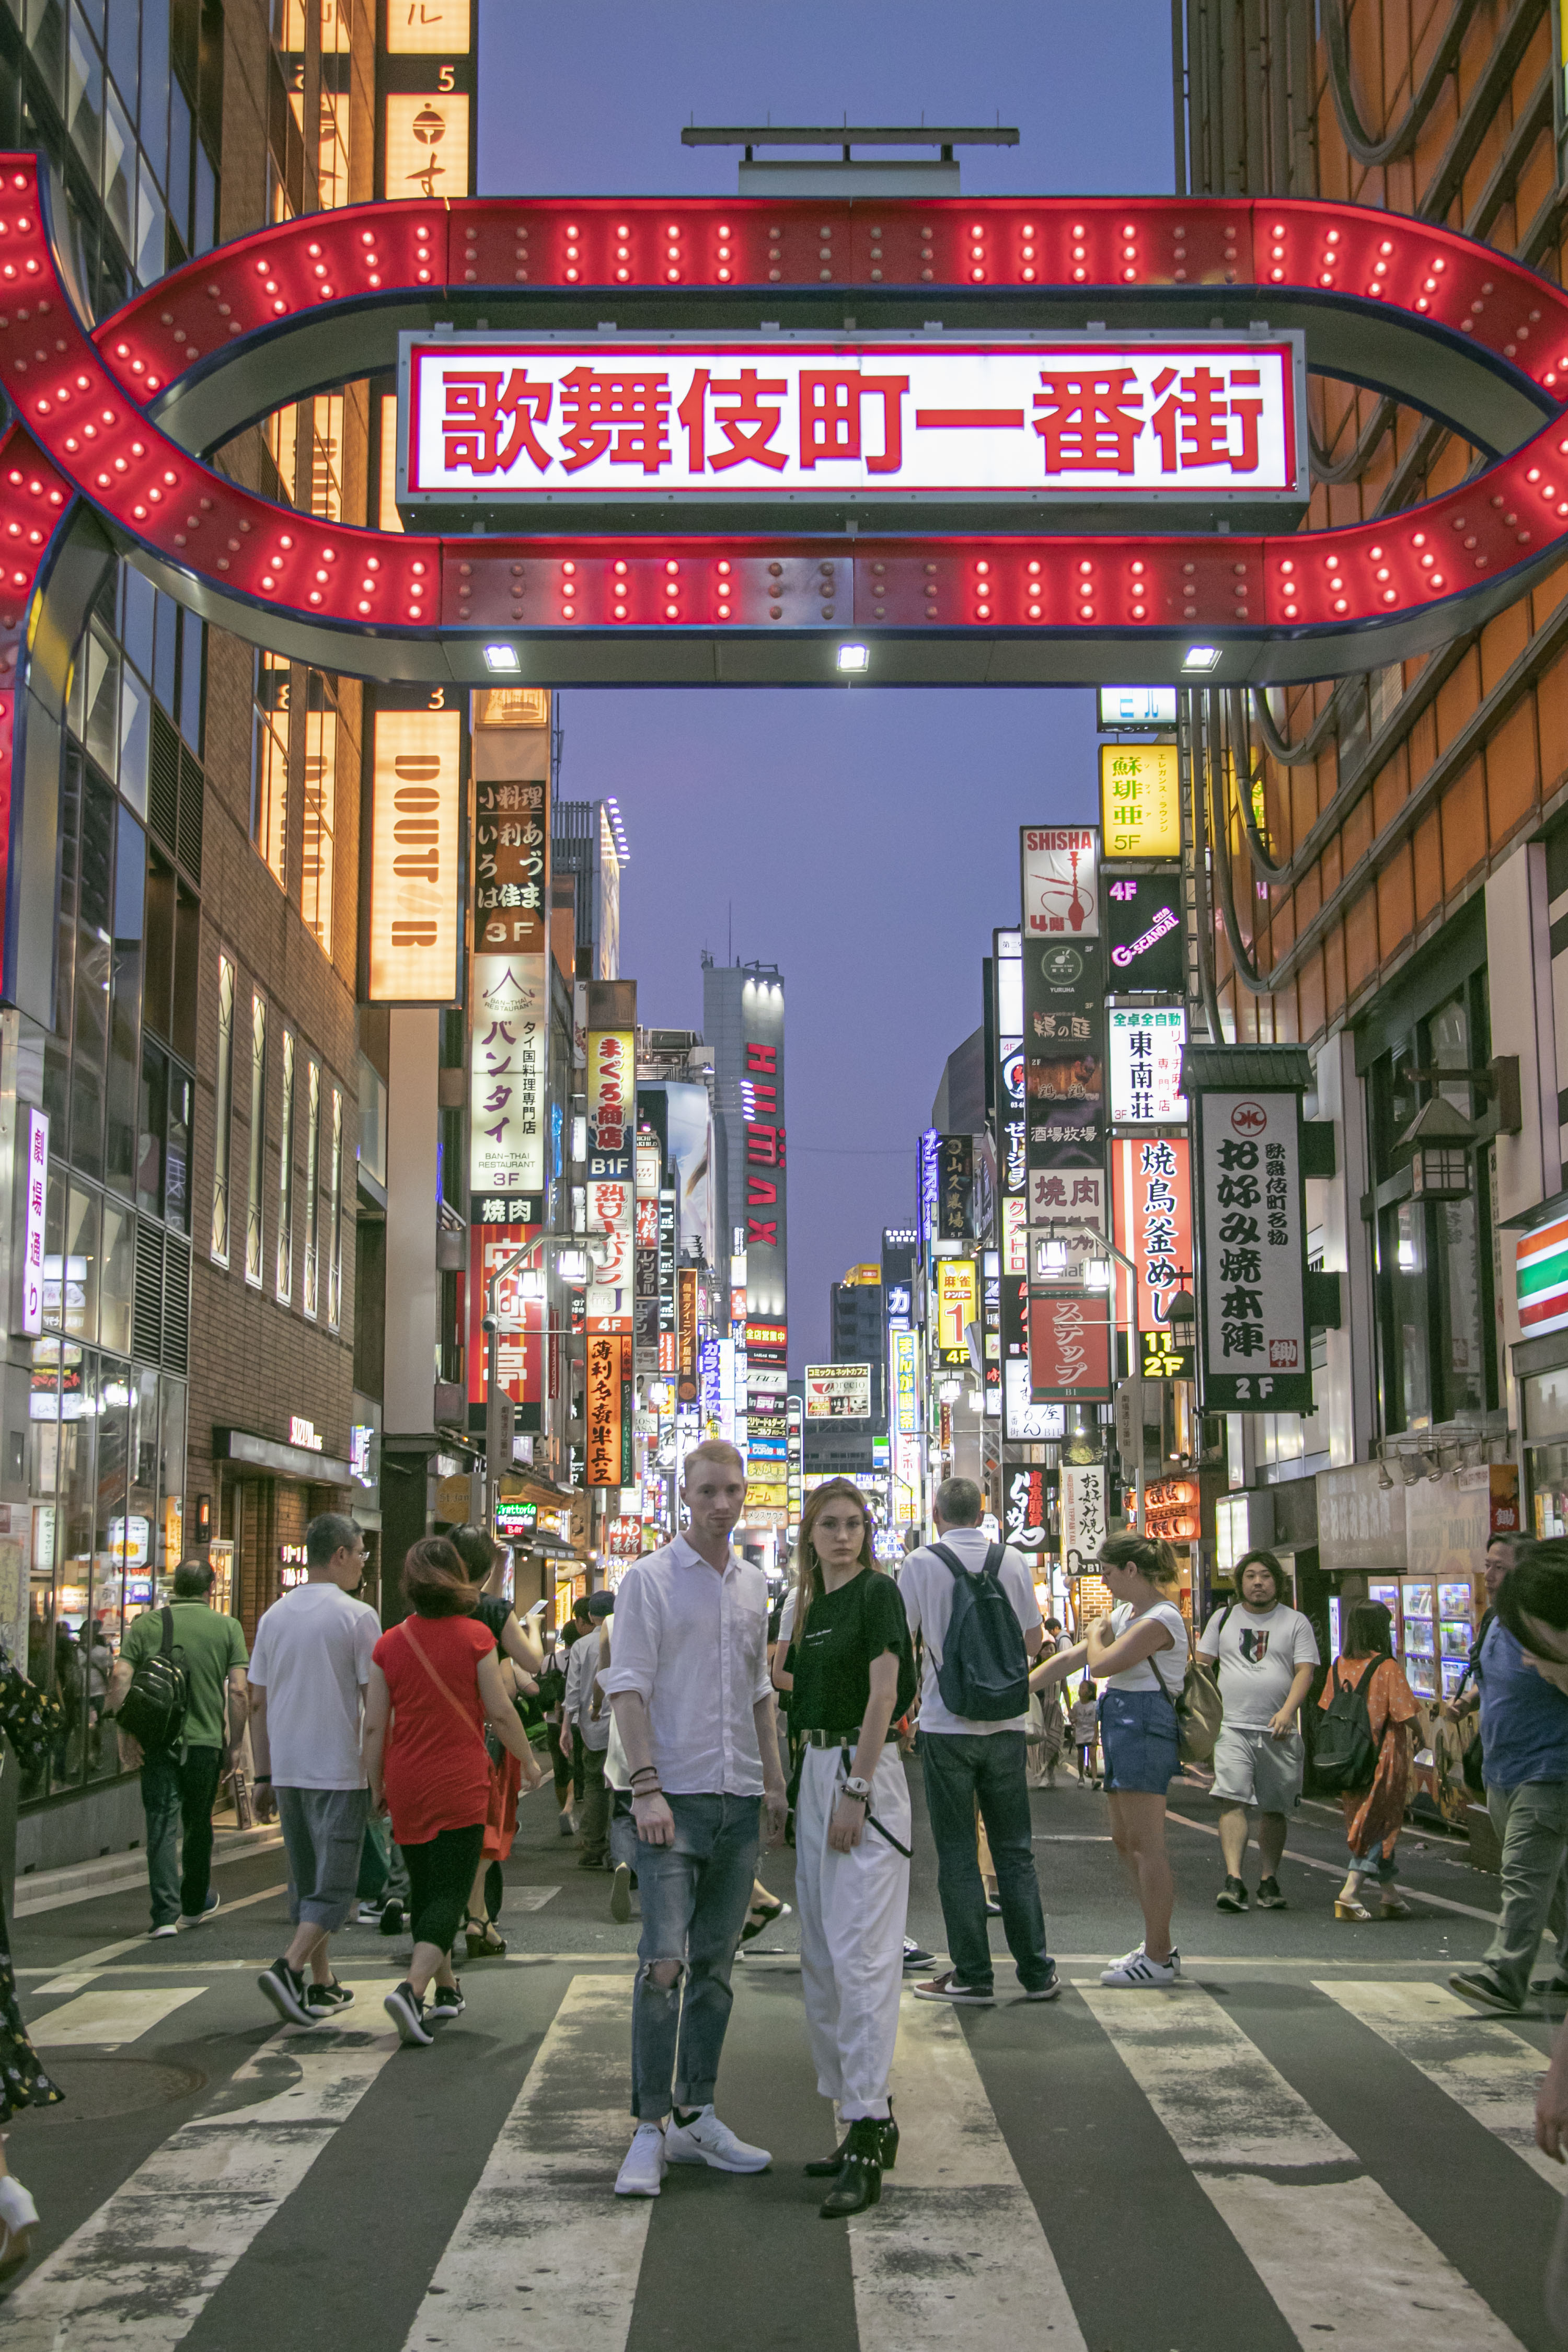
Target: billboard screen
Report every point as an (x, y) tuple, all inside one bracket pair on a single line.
[(837, 1391)]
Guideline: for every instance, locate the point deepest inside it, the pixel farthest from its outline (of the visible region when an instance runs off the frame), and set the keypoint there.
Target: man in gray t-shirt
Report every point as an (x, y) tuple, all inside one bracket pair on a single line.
[(1267, 1652)]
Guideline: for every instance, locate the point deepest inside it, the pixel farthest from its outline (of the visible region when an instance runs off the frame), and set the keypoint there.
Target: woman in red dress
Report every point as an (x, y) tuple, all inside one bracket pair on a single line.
[(1374, 1815), (519, 1655), (434, 1683)]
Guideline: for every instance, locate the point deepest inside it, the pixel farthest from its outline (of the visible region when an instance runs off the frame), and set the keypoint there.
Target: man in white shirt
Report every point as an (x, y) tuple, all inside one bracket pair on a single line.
[(309, 1669), (694, 1712), (968, 1763), (1267, 1652), (591, 1726)]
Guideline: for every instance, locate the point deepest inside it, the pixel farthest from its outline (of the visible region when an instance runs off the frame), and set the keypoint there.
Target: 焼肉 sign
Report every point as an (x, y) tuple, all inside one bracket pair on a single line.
[(780, 418)]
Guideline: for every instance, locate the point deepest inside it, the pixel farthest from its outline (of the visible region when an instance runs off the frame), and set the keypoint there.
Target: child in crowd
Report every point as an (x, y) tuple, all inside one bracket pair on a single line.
[(1085, 1733)]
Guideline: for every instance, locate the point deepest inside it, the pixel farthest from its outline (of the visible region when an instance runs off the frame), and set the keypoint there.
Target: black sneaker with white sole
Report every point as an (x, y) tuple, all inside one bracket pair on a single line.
[(1269, 1896), (1479, 1984), (1232, 1897), (1049, 1990), (915, 1955), (326, 2000), (447, 2002), (285, 1988), (406, 2010), (391, 1918)]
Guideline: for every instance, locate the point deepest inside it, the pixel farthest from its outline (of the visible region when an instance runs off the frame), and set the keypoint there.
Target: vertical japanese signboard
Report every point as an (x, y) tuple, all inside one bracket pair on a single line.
[(1152, 1194), (612, 1099), (1069, 1345), (1145, 1045), (1060, 869), (413, 937), (1251, 1213), (37, 1179), (686, 1335), (1140, 800), (508, 1004), (955, 1180), (1024, 1499), (517, 1345), (762, 1113), (667, 1334), (1084, 1524), (957, 1306), (607, 1403), (649, 1169)]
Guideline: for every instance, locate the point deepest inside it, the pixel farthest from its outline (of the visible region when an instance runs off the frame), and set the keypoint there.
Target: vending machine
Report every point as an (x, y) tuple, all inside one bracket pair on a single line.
[(1456, 1631), (1418, 1635)]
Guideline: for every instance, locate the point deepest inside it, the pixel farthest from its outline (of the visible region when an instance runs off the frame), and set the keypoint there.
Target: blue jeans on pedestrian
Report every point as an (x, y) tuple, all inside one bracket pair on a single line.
[(177, 1793), (695, 1896), (961, 1770)]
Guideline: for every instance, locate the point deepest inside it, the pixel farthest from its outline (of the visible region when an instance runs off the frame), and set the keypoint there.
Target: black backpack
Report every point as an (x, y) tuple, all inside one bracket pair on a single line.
[(1345, 1756), (984, 1671), (153, 1708)]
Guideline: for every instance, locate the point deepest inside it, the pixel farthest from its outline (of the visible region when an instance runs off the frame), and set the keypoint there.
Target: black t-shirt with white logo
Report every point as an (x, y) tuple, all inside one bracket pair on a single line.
[(831, 1659)]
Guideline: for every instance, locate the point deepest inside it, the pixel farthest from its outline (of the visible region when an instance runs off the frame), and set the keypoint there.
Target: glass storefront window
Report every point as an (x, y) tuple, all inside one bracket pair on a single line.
[(1548, 1489), (82, 1263), (117, 1283)]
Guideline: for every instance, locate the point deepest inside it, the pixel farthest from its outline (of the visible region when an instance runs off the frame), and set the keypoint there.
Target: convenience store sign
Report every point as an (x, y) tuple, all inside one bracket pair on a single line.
[(1540, 1274)]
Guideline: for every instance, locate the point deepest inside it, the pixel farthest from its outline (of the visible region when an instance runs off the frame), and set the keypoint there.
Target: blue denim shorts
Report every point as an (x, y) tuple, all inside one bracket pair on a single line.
[(1138, 1733)]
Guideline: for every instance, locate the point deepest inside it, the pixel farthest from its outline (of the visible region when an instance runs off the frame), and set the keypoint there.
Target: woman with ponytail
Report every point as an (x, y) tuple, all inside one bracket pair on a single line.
[(1138, 1656)]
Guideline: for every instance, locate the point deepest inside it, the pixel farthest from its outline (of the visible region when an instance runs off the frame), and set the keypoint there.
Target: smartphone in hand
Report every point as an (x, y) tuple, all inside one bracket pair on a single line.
[(538, 1609)]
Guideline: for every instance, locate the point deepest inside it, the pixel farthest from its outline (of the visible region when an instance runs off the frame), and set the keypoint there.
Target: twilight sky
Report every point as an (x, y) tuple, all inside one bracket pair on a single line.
[(866, 840)]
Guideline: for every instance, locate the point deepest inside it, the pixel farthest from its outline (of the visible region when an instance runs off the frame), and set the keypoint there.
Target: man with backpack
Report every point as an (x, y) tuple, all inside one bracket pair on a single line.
[(177, 1669), (971, 1603), (1267, 1654)]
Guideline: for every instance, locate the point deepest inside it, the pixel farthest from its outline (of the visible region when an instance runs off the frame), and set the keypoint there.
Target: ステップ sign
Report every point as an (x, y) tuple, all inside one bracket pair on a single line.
[(776, 417)]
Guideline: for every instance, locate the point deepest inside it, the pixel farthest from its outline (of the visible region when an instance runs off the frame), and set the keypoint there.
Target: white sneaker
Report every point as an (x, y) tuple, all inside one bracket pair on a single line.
[(1138, 1971), (642, 2166), (19, 2219), (1137, 1954), (705, 2141)]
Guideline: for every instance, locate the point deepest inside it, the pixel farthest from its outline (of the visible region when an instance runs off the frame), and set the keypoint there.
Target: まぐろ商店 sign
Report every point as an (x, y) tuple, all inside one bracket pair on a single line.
[(776, 418)]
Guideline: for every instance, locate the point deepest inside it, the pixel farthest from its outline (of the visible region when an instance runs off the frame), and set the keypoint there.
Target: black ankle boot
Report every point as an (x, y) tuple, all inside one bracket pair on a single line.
[(859, 2181), (827, 2167)]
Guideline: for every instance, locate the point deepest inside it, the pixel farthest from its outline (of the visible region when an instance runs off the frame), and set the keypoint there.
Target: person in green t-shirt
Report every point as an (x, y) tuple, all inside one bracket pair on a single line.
[(849, 1671), (178, 1788)]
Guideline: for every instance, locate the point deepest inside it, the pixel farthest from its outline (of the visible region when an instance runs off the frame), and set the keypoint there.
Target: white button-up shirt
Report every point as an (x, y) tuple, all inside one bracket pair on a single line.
[(581, 1668), (695, 1644)]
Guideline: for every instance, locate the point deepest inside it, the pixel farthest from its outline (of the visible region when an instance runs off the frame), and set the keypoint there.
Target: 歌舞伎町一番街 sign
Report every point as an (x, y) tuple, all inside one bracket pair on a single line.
[(778, 419)]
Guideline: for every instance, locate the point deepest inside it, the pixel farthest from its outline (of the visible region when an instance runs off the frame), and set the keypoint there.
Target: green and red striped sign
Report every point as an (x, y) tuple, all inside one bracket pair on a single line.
[(1542, 1278)]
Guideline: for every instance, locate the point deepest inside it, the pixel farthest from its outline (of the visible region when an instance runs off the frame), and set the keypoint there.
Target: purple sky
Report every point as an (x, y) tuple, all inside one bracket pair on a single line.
[(866, 839)]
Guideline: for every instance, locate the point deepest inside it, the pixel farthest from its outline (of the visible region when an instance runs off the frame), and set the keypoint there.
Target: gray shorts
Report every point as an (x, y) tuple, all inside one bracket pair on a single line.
[(1253, 1768), (323, 1833)]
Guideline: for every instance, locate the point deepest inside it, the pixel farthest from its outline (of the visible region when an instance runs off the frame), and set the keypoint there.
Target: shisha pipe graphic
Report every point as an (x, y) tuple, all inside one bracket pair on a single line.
[(1080, 907)]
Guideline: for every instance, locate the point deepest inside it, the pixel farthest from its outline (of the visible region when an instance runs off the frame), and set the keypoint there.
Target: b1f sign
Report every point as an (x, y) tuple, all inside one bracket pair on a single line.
[(775, 419), (1252, 1255)]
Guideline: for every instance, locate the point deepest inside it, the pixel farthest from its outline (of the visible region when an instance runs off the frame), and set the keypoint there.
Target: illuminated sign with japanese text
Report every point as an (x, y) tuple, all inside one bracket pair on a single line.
[(612, 1106), (38, 1181), (510, 1014), (776, 417), (1145, 1054), (1151, 1197), (1140, 800), (1145, 934), (607, 1395), (1070, 1344), (1061, 882), (837, 1391), (957, 1303), (1252, 1252)]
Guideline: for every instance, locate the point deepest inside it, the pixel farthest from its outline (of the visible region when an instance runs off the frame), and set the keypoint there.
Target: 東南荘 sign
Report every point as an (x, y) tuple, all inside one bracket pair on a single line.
[(778, 417), (1145, 1050)]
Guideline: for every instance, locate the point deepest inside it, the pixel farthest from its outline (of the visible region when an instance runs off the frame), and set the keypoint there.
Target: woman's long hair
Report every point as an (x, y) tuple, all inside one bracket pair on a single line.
[(807, 1567)]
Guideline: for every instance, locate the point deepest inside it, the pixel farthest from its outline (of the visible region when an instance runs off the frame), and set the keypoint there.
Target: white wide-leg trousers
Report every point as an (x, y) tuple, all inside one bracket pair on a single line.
[(852, 1910)]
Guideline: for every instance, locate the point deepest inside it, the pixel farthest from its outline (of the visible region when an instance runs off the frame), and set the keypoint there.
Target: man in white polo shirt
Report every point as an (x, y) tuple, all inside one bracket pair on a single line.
[(694, 1710)]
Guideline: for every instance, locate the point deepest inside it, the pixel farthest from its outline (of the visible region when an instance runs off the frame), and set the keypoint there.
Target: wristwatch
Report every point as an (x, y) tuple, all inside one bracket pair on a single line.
[(859, 1790)]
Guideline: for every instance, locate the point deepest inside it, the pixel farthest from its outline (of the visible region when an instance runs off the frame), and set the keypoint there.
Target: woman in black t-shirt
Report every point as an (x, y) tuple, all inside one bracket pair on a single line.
[(849, 1673), (520, 1655)]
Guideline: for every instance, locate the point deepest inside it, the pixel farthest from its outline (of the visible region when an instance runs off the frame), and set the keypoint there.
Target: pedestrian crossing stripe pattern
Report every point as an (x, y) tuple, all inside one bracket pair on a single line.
[(103, 2021), (140, 2272), (1335, 2251), (1477, 2061), (954, 2259)]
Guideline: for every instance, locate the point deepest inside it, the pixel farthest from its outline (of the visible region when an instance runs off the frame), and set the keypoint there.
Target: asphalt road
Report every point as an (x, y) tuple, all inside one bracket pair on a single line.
[(1310, 2137)]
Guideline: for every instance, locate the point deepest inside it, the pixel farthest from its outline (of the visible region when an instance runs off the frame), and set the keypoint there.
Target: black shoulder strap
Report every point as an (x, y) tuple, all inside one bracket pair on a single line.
[(168, 1643), (949, 1559), (995, 1554)]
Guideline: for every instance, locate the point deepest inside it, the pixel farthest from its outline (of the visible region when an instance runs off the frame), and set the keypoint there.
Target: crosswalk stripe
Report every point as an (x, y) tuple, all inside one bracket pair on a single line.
[(543, 2253), (137, 2274), (105, 2020), (953, 2211), (1336, 2254), (1479, 2062)]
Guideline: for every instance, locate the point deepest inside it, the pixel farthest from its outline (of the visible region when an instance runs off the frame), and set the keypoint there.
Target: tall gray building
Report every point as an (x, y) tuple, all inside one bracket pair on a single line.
[(744, 1024)]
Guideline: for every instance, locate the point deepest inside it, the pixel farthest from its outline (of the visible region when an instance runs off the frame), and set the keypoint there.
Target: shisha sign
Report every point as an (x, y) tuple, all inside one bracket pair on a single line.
[(1061, 881)]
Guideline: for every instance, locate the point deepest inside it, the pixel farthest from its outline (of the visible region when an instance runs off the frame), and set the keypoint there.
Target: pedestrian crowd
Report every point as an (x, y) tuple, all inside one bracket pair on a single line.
[(685, 1729)]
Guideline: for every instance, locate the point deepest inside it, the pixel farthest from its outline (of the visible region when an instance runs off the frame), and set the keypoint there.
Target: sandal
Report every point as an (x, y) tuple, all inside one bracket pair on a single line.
[(763, 1915), (483, 1938), (1394, 1906), (1349, 1907)]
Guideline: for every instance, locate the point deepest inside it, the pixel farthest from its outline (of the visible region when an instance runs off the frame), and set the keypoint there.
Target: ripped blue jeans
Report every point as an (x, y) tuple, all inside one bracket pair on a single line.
[(694, 1895)]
